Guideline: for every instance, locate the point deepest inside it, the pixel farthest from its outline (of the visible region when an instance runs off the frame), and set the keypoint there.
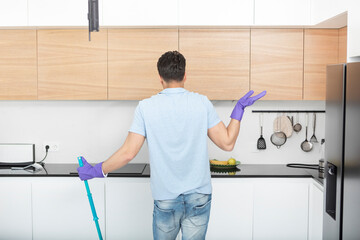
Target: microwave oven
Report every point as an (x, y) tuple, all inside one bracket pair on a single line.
[(17, 154)]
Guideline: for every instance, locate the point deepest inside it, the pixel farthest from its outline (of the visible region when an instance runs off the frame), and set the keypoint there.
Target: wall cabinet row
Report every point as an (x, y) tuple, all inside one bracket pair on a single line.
[(120, 64), (156, 12)]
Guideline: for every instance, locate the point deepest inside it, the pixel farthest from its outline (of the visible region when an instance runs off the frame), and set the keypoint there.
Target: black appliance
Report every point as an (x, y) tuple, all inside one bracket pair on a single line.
[(341, 218)]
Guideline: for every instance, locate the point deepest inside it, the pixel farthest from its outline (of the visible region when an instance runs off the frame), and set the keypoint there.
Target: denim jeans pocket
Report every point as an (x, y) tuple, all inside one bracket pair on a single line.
[(164, 219), (201, 213)]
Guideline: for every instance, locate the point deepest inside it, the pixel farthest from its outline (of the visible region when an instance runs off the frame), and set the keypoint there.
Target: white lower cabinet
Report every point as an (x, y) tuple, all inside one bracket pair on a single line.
[(15, 209), (242, 208), (281, 209), (231, 215), (61, 209), (316, 206), (129, 208)]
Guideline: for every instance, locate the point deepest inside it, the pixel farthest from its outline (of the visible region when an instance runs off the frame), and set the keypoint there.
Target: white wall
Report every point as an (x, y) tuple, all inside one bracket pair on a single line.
[(96, 129)]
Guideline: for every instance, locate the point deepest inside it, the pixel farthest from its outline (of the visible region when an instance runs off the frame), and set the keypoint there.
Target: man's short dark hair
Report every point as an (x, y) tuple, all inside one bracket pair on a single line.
[(171, 66)]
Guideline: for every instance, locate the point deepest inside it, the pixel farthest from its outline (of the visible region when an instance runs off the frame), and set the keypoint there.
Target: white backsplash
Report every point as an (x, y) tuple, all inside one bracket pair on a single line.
[(96, 129)]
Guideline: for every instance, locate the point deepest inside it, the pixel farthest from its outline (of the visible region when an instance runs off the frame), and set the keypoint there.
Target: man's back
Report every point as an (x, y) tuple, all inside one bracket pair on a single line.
[(175, 124)]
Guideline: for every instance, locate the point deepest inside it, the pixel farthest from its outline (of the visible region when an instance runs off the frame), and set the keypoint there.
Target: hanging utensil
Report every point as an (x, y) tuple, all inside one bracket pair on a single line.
[(261, 144), (306, 146), (278, 138), (313, 139), (291, 120), (297, 126), (285, 124)]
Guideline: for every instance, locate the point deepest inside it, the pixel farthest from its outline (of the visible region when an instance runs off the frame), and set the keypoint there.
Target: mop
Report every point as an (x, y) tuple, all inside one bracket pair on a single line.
[(92, 206)]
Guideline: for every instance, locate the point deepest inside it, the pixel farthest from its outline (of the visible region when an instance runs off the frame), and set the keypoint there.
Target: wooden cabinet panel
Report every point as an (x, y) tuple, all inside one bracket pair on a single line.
[(18, 71), (320, 49), (277, 63), (70, 67), (343, 45), (217, 61), (133, 56)]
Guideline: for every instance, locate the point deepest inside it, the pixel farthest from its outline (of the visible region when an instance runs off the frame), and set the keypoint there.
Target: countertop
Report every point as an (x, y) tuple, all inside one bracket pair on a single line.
[(143, 170)]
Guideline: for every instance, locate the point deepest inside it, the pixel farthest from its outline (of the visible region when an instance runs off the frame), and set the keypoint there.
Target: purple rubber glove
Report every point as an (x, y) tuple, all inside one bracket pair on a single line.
[(87, 171), (245, 101)]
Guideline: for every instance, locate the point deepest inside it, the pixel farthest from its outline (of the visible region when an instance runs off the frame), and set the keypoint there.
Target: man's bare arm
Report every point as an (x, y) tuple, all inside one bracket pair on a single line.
[(225, 137), (125, 154)]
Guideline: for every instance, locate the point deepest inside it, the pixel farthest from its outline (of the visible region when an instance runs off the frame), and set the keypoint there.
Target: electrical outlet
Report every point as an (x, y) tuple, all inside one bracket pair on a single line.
[(53, 147)]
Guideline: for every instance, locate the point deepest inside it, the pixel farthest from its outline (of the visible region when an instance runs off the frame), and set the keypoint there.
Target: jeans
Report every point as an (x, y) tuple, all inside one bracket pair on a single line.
[(189, 212)]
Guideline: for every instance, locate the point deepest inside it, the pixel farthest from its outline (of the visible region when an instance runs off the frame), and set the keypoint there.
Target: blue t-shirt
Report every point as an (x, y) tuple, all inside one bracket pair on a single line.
[(175, 123)]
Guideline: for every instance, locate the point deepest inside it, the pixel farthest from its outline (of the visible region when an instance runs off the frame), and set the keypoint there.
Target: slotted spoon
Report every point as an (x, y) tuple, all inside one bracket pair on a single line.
[(261, 144)]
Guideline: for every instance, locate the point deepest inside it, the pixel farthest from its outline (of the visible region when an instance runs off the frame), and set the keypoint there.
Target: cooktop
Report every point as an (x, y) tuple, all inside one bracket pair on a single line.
[(133, 168)]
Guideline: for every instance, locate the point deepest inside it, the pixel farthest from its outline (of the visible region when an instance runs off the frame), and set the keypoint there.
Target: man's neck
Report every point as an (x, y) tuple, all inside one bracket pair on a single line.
[(173, 85)]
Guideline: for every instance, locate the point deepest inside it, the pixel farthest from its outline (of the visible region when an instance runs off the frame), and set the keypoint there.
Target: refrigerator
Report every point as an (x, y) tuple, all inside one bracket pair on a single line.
[(341, 216)]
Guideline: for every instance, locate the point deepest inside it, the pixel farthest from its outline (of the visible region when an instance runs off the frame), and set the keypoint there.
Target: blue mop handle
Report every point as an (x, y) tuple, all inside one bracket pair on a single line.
[(91, 201)]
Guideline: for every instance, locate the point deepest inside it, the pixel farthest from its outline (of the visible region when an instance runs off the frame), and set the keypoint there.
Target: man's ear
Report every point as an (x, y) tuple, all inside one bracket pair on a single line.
[(162, 82), (184, 77)]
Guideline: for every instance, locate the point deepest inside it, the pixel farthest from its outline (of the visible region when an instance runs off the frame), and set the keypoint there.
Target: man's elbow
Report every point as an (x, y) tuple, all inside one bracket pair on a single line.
[(129, 156), (228, 147)]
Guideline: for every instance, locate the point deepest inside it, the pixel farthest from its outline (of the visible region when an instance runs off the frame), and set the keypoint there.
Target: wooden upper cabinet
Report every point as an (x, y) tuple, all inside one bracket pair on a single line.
[(277, 63), (343, 45), (70, 67), (133, 56), (217, 61), (321, 49), (18, 73)]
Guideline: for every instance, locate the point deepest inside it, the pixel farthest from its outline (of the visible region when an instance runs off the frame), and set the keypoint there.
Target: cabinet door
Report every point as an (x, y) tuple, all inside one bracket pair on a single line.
[(231, 215), (280, 210), (59, 13), (343, 45), (133, 55), (140, 13), (277, 63), (217, 61), (70, 66), (322, 10), (18, 72), (216, 12), (15, 209), (13, 13), (61, 208), (282, 12), (316, 208), (129, 208), (320, 49)]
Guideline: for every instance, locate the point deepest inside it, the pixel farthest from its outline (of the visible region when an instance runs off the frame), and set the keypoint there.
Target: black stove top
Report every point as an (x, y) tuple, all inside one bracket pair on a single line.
[(134, 168)]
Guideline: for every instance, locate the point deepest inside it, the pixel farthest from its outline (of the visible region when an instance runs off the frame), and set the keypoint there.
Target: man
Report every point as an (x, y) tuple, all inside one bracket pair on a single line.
[(176, 124)]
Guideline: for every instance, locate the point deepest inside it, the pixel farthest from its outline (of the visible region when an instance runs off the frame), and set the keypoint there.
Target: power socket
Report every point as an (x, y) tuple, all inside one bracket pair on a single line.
[(53, 147)]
